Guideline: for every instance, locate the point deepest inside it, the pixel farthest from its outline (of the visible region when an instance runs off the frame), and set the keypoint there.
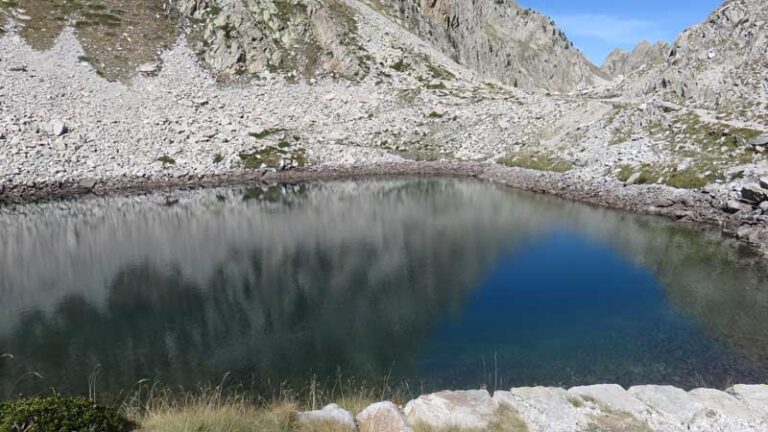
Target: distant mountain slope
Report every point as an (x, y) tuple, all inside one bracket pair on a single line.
[(500, 40), (721, 64), (622, 63)]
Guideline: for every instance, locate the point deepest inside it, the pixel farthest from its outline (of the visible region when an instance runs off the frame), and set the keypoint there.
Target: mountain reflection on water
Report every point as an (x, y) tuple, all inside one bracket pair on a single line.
[(440, 283)]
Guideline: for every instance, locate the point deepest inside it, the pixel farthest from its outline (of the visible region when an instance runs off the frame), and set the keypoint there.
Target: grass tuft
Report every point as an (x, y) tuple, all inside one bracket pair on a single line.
[(539, 162)]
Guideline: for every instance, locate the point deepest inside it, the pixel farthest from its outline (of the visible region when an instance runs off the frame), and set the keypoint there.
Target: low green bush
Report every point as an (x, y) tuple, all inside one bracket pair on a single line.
[(57, 414)]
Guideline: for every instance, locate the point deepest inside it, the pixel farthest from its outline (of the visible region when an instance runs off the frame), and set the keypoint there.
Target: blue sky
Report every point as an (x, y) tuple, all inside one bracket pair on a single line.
[(596, 27)]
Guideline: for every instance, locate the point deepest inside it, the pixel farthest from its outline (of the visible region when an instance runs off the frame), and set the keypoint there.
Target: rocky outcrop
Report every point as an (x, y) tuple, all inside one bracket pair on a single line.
[(648, 408), (500, 40), (303, 37), (621, 63)]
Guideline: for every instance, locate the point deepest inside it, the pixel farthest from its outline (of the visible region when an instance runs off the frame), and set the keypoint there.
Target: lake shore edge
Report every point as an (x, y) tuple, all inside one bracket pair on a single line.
[(696, 207), (603, 407)]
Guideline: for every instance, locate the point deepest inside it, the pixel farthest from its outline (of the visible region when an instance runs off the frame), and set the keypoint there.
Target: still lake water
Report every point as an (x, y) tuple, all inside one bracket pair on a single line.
[(431, 282)]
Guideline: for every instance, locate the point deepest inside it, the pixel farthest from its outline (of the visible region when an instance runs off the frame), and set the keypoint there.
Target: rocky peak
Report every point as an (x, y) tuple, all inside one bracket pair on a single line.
[(645, 55), (500, 40)]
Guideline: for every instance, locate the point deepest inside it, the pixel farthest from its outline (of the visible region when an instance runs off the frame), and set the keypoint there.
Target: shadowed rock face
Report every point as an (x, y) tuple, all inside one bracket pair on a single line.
[(500, 40), (117, 35), (275, 285)]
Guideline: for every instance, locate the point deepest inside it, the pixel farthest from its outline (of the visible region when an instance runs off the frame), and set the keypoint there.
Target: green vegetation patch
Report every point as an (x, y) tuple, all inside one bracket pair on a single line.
[(697, 175), (435, 115), (539, 162), (400, 66), (266, 133), (271, 156), (56, 414), (166, 160)]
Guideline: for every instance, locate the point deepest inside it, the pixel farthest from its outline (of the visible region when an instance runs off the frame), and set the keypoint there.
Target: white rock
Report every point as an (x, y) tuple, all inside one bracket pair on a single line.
[(544, 409), (382, 417), (148, 68), (330, 414), (755, 396), (472, 409), (56, 127), (724, 413), (675, 407)]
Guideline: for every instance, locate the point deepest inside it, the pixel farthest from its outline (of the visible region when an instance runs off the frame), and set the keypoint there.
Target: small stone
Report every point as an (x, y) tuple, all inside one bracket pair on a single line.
[(88, 183), (382, 417), (761, 141), (57, 128), (764, 182), (148, 68), (734, 206), (664, 203), (633, 179), (684, 165), (330, 414), (209, 133), (754, 193), (200, 101)]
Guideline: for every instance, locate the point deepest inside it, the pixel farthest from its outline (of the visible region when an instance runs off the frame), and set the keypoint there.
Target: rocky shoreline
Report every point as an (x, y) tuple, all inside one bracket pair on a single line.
[(647, 408), (687, 206)]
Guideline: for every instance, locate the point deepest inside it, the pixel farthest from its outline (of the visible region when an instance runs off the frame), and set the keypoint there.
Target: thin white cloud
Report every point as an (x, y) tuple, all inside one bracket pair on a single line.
[(611, 29)]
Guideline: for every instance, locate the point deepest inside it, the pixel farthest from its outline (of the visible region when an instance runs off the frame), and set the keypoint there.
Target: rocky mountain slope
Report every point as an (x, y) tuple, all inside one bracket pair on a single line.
[(500, 40), (644, 56), (719, 64)]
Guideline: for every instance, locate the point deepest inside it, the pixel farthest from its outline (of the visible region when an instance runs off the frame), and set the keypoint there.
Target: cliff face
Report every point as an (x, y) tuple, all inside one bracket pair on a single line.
[(500, 40), (621, 63)]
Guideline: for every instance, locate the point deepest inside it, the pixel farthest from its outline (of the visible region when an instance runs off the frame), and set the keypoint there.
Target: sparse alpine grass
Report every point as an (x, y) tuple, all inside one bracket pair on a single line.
[(539, 162)]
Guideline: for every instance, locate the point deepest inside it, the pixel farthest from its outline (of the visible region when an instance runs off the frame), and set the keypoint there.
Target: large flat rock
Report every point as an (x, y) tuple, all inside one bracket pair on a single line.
[(382, 417), (544, 409), (472, 409), (724, 413), (756, 399), (613, 408), (673, 409)]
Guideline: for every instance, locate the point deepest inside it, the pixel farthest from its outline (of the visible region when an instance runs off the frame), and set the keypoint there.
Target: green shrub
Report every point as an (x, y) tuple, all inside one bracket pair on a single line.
[(57, 414), (166, 160)]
